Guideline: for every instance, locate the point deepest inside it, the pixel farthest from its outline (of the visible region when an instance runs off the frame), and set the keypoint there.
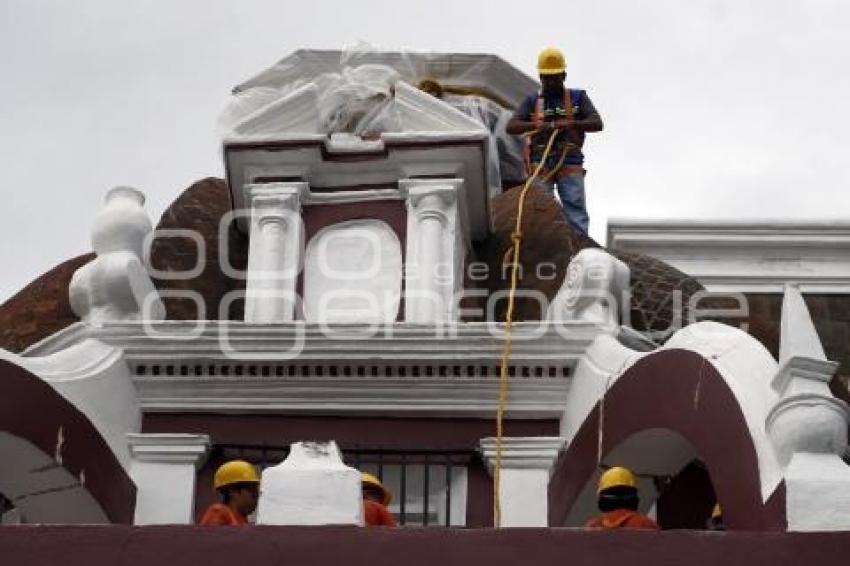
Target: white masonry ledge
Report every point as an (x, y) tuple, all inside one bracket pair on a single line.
[(534, 452), (403, 370), (169, 448), (542, 342)]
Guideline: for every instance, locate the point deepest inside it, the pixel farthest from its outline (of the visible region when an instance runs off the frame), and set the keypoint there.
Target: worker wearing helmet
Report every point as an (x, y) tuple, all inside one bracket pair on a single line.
[(618, 500), (572, 113), (376, 498), (238, 486)]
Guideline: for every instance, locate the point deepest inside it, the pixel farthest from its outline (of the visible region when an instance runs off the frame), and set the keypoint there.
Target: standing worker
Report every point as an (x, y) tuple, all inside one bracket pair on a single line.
[(376, 498), (238, 486), (618, 500), (571, 112)]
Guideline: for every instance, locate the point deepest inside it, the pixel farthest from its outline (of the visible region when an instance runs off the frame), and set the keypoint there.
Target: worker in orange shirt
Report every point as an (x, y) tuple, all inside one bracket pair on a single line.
[(238, 486), (617, 498), (376, 498)]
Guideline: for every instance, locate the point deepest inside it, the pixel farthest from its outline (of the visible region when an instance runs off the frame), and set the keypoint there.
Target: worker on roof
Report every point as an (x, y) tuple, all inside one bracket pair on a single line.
[(238, 486), (376, 498), (617, 498), (715, 523), (572, 113)]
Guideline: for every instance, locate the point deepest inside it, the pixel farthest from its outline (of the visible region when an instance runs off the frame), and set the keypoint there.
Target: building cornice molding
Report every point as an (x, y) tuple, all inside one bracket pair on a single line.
[(545, 343), (169, 448), (757, 256), (414, 372), (459, 397), (534, 452)]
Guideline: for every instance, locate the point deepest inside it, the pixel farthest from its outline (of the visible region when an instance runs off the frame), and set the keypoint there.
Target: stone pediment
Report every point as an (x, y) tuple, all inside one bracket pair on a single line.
[(410, 110)]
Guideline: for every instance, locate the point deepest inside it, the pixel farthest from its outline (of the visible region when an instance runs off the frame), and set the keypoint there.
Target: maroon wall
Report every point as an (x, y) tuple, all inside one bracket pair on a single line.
[(330, 546)]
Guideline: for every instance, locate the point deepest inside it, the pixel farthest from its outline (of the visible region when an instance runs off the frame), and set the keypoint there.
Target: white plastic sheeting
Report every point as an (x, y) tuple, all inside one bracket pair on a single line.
[(356, 91)]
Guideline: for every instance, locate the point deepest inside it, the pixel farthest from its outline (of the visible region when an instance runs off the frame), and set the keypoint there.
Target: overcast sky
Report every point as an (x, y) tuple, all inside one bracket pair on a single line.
[(712, 108)]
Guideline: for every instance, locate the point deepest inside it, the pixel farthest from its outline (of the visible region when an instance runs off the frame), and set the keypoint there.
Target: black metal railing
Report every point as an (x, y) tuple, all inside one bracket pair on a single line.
[(425, 483)]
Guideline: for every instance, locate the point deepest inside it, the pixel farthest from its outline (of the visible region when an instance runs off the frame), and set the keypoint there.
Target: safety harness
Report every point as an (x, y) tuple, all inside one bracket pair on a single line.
[(541, 114)]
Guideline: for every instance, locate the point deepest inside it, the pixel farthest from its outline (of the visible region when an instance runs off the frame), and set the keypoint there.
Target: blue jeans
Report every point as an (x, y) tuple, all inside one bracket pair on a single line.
[(571, 193)]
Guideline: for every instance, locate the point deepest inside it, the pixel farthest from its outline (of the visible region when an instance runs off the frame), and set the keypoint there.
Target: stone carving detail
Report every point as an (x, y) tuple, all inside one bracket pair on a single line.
[(592, 290), (352, 273), (115, 286)]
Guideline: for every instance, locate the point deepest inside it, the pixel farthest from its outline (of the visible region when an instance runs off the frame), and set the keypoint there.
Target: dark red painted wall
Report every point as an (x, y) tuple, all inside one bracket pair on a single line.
[(331, 546)]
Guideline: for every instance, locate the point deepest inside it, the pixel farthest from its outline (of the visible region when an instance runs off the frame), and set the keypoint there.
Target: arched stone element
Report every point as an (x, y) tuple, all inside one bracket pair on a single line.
[(56, 466), (353, 273), (679, 391)]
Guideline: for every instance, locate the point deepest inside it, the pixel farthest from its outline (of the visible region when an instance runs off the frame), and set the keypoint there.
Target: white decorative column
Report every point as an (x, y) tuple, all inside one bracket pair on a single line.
[(808, 426), (527, 464), (436, 245), (164, 467), (274, 254)]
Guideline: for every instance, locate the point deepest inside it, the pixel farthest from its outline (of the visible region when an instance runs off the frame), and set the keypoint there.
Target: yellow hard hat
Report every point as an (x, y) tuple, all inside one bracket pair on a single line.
[(717, 512), (551, 62), (235, 471), (616, 477), (369, 479)]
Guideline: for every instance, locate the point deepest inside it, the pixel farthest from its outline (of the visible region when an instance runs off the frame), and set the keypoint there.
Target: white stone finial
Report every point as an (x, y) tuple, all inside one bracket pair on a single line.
[(311, 487), (798, 335), (115, 286), (806, 419), (802, 361), (592, 290)]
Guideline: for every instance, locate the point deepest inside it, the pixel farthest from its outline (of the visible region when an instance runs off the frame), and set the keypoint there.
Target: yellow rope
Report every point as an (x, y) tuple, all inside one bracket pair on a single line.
[(516, 238)]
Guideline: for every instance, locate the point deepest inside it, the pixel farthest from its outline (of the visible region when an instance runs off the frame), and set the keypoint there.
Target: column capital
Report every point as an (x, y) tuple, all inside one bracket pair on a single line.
[(523, 452), (169, 448), (416, 192), (288, 194)]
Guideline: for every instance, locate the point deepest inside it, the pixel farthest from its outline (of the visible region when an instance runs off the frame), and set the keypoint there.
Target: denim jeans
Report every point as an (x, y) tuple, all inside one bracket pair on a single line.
[(571, 194)]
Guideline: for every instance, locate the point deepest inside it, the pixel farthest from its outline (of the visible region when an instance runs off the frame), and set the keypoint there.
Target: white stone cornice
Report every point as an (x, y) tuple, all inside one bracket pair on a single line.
[(533, 452), (402, 369), (468, 398), (545, 343), (169, 448), (344, 197), (750, 256)]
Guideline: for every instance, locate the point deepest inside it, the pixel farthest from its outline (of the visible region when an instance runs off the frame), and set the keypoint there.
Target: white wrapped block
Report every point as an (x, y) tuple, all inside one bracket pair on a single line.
[(311, 487)]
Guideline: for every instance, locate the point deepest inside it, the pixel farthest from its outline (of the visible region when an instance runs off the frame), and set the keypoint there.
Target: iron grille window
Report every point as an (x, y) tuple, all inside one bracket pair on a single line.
[(428, 486)]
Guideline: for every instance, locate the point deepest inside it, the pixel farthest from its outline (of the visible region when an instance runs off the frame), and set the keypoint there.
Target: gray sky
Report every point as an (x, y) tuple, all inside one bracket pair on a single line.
[(721, 109)]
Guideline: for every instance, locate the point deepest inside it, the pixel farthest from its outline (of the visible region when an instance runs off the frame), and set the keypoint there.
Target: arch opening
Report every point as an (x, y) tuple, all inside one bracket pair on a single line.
[(676, 409), (674, 484)]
